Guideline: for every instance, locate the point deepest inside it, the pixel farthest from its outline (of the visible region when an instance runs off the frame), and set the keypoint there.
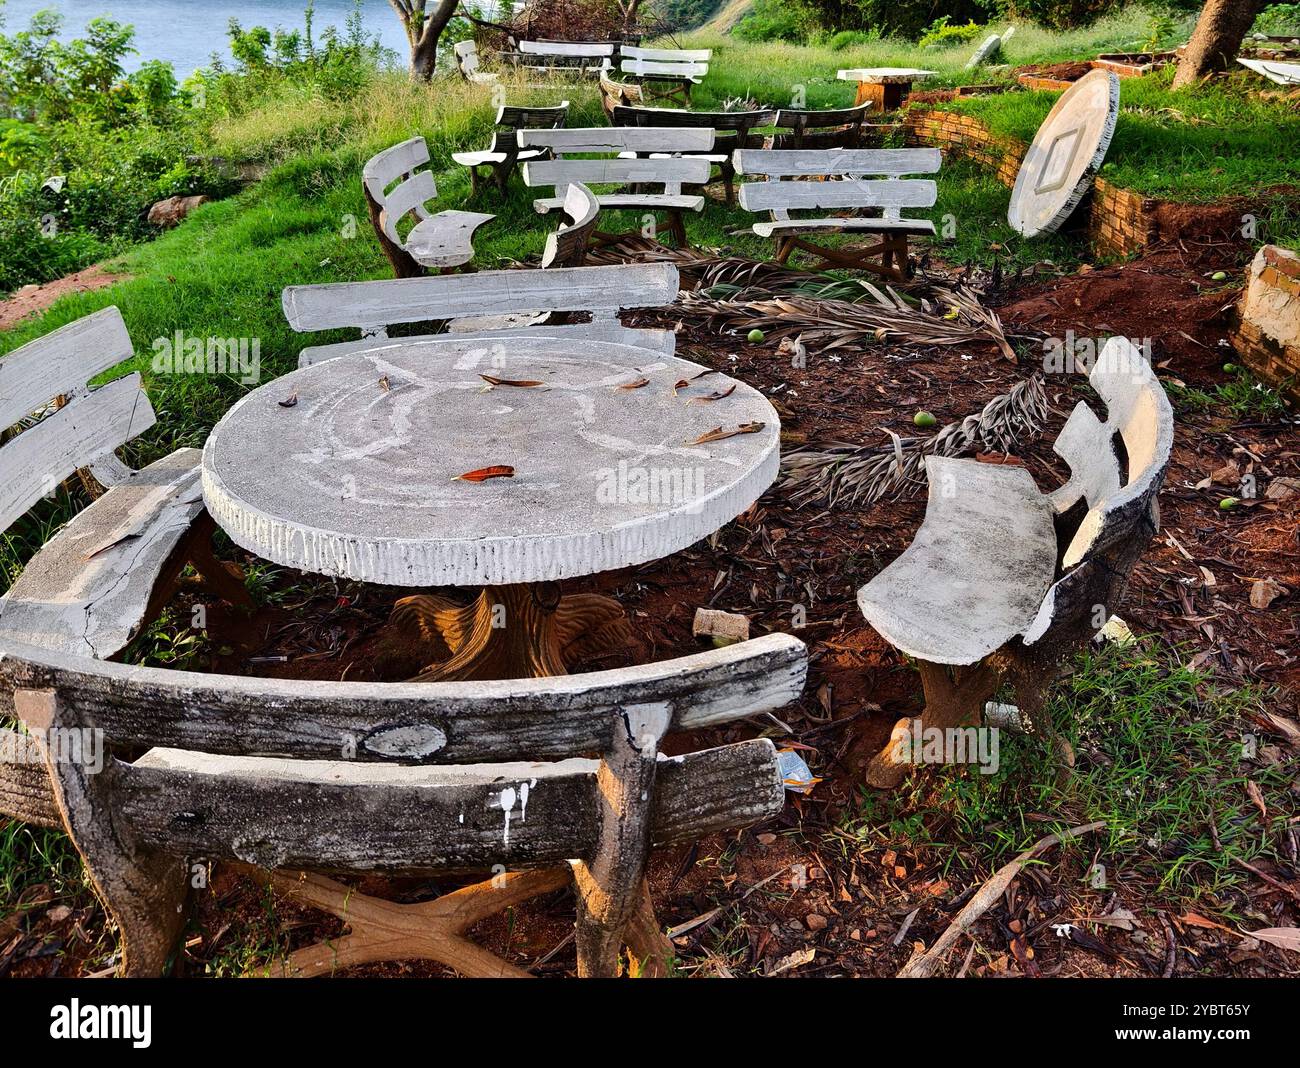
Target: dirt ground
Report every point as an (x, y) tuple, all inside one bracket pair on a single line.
[(30, 300), (861, 916)]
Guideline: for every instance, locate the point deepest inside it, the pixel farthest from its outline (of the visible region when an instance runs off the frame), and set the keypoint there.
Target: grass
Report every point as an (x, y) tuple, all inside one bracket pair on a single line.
[(1161, 758)]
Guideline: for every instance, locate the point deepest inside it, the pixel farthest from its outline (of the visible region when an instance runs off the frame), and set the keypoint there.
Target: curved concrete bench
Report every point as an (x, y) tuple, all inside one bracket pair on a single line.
[(406, 778), (443, 241), (1004, 584)]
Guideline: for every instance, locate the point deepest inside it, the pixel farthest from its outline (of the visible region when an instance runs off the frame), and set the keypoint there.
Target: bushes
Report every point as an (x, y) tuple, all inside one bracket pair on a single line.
[(897, 18), (1062, 14), (941, 35), (778, 20)]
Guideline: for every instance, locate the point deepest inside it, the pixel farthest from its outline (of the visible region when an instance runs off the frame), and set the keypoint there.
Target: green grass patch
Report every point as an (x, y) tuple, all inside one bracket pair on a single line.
[(1164, 755)]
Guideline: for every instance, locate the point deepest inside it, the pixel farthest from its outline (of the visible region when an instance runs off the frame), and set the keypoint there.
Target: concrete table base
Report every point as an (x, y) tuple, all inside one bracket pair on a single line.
[(518, 631)]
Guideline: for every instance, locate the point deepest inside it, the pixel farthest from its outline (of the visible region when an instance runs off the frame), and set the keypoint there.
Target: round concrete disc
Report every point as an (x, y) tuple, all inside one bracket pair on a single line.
[(351, 466), (1065, 155)]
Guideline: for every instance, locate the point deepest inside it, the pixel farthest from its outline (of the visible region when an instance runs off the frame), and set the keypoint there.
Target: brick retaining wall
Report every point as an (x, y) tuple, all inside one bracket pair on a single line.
[(1267, 331)]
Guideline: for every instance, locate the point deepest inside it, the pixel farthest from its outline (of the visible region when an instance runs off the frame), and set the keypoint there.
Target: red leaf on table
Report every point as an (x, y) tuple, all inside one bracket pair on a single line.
[(482, 474)]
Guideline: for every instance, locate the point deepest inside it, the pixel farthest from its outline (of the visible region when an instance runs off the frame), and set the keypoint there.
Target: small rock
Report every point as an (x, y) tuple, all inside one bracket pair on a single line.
[(766, 838), (1263, 592), (856, 934), (815, 921), (167, 213), (712, 623)]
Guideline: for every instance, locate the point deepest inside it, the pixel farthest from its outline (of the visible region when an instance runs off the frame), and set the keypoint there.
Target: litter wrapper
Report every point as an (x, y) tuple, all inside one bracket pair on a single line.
[(796, 775)]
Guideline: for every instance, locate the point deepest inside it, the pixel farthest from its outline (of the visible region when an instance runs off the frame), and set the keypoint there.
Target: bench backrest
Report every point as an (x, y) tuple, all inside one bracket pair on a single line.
[(413, 189), (614, 93), (79, 426), (672, 172), (667, 55), (833, 128), (374, 306), (846, 189), (567, 247), (643, 68), (1117, 466), (569, 49), (615, 139), (467, 60), (732, 129), (525, 116)]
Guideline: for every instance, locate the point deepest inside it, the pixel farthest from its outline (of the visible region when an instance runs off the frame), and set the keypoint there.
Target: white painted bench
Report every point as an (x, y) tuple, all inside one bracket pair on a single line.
[(504, 155), (655, 168), (1003, 583), (405, 779), (92, 587), (677, 69), (374, 306), (470, 66), (843, 188), (731, 130), (614, 94), (394, 189), (565, 57), (567, 247)]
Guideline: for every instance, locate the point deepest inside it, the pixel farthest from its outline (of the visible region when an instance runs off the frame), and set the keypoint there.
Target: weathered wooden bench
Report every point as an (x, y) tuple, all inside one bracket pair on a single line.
[(470, 66), (666, 72), (472, 302), (843, 188), (394, 189), (731, 130), (567, 247), (828, 128), (95, 584), (403, 779), (642, 157), (1002, 584), (504, 154), (582, 58)]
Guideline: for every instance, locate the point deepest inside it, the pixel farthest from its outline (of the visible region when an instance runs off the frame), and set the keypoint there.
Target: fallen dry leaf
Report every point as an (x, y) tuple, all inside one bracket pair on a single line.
[(718, 434), (290, 401), (526, 383), (719, 395), (1282, 937), (635, 385), (384, 384), (1257, 799), (484, 473)]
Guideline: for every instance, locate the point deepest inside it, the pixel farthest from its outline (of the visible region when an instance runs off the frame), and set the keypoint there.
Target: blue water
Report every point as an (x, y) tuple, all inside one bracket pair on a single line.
[(185, 33)]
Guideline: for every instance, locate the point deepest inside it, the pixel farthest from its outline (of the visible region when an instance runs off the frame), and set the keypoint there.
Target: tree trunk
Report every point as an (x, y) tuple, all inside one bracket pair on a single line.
[(424, 27), (1218, 35)]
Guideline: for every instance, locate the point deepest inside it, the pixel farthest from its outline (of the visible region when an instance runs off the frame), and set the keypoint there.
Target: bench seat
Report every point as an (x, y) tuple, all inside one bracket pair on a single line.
[(653, 201), (977, 571), (834, 226), (445, 239), (88, 589)]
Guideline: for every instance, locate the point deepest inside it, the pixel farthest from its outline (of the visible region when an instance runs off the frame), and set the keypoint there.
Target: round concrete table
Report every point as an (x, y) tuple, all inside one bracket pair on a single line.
[(353, 467), (886, 87)]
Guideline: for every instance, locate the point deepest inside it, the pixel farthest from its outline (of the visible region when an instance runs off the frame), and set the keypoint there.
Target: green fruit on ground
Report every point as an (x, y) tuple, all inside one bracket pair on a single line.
[(923, 419), (1230, 368), (755, 336), (719, 642), (1227, 503), (1219, 276)]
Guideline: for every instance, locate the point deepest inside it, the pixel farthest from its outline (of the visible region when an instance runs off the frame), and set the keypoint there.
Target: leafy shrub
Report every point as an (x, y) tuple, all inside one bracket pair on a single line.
[(1062, 14), (851, 39), (1278, 20), (777, 20), (941, 33)]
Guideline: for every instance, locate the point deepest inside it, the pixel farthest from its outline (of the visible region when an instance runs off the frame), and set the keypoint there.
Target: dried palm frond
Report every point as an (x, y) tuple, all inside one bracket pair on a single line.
[(830, 324), (861, 474)]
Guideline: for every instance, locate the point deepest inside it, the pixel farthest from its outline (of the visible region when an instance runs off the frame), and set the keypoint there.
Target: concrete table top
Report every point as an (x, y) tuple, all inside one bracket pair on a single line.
[(884, 75), (1065, 155), (358, 476)]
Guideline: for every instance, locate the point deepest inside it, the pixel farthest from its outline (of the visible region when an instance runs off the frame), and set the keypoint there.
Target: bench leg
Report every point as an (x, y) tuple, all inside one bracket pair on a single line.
[(143, 891), (610, 886), (224, 579), (512, 632), (382, 930), (950, 701)]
